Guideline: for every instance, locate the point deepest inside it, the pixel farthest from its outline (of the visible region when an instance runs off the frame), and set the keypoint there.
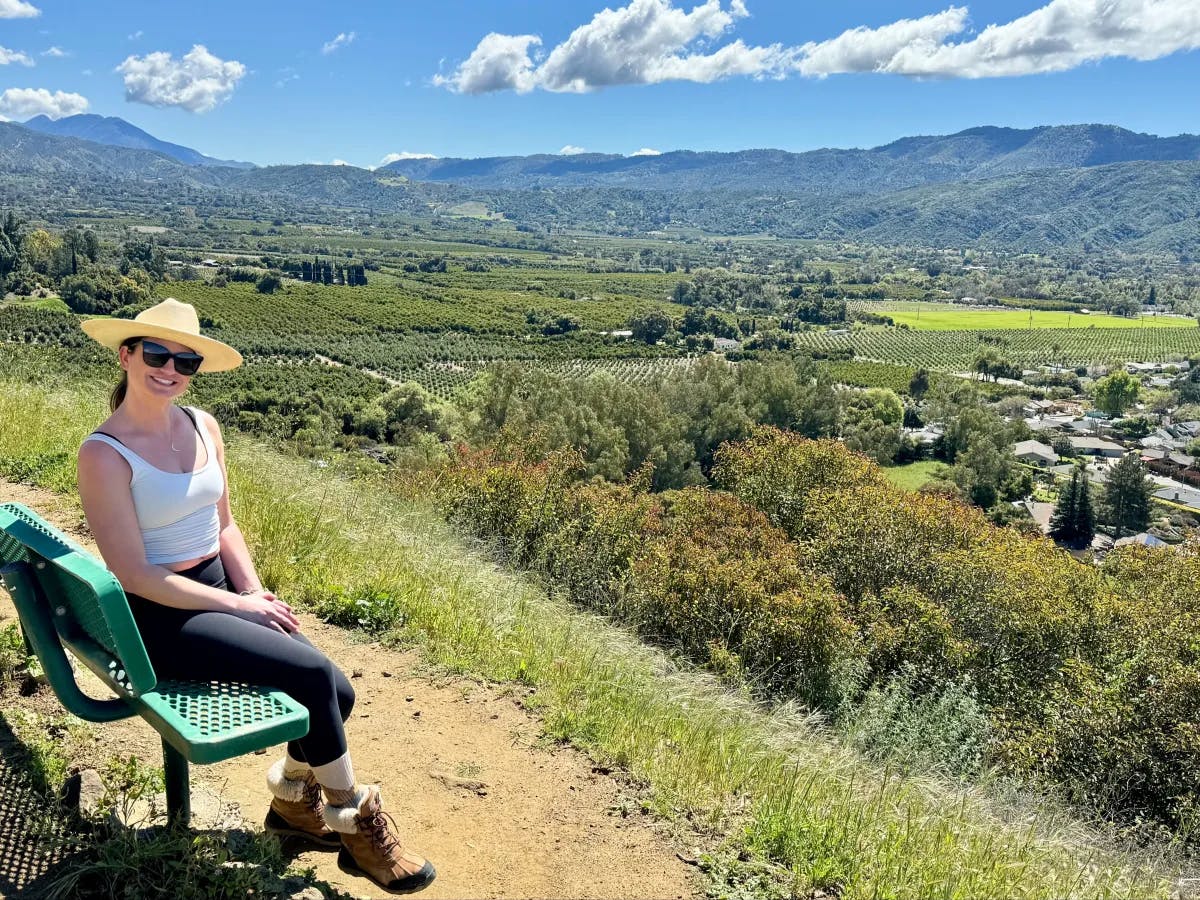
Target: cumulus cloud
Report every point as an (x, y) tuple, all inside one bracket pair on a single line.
[(499, 63), (25, 103), (1061, 35), (197, 81), (8, 57), (18, 9), (651, 41), (571, 150), (55, 52), (339, 162), (343, 39), (873, 49), (646, 151), (404, 154)]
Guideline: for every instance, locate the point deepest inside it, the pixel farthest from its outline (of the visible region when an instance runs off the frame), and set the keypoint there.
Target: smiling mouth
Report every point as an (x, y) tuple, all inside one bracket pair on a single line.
[(163, 381)]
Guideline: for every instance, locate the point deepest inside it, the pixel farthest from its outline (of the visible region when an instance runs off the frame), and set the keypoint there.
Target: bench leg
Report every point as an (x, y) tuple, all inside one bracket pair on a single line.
[(179, 798)]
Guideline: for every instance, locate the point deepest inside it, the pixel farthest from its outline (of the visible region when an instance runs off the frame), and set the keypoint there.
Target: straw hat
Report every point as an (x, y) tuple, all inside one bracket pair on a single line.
[(171, 321)]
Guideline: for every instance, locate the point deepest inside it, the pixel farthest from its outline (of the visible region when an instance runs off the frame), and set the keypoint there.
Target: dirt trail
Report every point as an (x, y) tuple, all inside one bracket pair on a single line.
[(541, 827)]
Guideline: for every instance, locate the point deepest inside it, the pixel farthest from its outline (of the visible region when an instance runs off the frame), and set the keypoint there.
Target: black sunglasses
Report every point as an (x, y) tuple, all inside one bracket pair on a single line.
[(156, 356)]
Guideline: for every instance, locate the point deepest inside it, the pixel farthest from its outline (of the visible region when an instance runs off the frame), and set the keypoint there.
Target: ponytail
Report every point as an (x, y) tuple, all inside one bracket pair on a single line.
[(118, 394)]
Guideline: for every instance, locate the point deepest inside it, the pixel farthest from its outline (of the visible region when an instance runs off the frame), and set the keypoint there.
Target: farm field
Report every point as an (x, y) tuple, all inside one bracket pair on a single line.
[(955, 351), (944, 317)]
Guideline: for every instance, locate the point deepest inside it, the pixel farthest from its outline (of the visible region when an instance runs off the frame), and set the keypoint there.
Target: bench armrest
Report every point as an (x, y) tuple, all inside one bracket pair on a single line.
[(43, 637)]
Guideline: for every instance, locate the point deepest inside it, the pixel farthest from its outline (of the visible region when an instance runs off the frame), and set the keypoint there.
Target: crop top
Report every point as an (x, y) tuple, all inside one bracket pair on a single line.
[(176, 511)]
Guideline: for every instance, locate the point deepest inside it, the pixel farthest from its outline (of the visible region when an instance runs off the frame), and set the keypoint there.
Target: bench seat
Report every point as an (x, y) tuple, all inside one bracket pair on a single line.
[(67, 599)]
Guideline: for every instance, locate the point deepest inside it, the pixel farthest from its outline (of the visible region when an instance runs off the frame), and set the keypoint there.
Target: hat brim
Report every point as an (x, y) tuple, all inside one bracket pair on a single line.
[(218, 357)]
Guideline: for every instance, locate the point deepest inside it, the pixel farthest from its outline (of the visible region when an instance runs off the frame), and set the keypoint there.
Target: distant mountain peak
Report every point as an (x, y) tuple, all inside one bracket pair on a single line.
[(116, 132)]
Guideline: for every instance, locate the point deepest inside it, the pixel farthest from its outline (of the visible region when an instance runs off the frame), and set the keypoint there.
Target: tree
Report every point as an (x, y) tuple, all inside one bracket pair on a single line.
[(1127, 495), (1074, 522), (1115, 393), (269, 283), (918, 384), (651, 326)]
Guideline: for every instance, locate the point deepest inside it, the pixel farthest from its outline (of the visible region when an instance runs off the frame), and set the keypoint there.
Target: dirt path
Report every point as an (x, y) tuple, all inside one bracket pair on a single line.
[(541, 827)]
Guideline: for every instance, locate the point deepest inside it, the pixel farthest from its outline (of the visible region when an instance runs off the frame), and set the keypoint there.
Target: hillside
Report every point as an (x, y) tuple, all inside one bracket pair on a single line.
[(1080, 188), (978, 153), (117, 132)]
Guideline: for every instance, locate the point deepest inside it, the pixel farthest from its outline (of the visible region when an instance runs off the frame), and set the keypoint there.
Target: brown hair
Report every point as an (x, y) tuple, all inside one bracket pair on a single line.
[(118, 394)]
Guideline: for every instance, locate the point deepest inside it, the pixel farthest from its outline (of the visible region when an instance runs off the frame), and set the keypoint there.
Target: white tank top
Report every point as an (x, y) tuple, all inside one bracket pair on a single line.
[(176, 512)]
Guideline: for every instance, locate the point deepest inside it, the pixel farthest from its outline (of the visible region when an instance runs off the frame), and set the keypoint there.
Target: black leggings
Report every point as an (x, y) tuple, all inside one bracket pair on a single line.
[(202, 645)]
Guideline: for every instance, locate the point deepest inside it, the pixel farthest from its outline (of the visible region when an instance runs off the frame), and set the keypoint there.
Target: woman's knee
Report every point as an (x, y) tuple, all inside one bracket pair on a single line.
[(345, 694)]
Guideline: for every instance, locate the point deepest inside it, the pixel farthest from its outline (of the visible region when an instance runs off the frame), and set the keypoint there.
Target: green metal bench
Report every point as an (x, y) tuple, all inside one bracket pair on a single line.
[(65, 597)]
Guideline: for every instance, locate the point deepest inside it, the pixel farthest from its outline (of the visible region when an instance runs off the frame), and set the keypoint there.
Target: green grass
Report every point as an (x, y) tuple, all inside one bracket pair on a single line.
[(769, 790), (943, 317), (913, 475)]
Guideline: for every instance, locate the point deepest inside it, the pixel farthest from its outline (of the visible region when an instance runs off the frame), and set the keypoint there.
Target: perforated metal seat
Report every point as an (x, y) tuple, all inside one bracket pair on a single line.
[(65, 597), (208, 721)]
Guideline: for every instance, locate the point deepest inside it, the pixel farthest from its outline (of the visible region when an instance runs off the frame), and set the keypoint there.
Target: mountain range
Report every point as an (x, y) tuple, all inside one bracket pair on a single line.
[(118, 133), (1080, 187), (971, 155)]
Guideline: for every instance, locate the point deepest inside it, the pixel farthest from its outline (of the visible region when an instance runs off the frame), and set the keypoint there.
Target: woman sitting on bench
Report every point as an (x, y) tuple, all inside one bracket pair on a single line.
[(153, 484)]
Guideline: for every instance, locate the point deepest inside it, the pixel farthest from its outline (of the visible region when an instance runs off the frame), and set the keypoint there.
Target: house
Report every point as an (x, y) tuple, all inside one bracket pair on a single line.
[(1181, 460), (1041, 513), (1094, 446), (1035, 453), (1146, 540), (1048, 423), (1038, 407), (723, 345), (1154, 453), (1184, 496)]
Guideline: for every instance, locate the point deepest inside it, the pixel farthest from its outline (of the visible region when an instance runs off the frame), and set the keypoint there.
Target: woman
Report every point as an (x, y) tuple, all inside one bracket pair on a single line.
[(153, 484)]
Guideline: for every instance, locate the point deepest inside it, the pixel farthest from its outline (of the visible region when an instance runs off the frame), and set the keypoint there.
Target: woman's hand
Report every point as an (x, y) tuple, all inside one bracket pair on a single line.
[(267, 610)]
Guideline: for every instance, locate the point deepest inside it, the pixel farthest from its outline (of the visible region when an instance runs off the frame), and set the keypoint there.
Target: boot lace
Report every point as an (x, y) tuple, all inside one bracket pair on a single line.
[(381, 828), (312, 796)]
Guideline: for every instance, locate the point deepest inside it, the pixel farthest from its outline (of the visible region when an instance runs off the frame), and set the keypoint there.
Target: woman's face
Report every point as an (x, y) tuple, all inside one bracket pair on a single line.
[(163, 382)]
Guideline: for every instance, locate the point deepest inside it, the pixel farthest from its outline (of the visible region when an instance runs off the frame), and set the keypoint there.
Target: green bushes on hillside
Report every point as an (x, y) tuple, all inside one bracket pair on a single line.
[(814, 578)]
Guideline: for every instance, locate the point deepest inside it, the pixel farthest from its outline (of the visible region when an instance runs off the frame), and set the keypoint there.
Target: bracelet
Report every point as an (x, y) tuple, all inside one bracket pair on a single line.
[(248, 593)]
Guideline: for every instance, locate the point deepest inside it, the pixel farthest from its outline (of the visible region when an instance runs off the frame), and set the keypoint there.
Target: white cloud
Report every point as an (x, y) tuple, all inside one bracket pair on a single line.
[(651, 41), (873, 49), (25, 103), (646, 151), (646, 42), (8, 57), (135, 35), (56, 52), (499, 63), (339, 162), (404, 154), (343, 39), (18, 9), (1061, 35), (571, 150), (197, 81)]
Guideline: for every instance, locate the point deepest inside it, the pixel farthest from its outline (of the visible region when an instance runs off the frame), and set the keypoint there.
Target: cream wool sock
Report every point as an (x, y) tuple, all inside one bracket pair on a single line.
[(294, 768), (337, 780)]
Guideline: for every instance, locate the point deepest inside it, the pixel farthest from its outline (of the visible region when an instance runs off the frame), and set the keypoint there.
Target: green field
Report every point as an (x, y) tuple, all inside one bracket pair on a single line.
[(943, 317), (913, 476)]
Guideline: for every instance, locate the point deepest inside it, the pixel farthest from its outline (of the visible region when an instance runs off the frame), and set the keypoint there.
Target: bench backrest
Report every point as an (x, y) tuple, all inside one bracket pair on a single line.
[(83, 599)]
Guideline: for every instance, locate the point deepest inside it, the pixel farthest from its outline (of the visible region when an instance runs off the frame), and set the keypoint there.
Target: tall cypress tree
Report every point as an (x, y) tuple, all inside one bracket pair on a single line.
[(1085, 517), (1127, 494), (1062, 523)]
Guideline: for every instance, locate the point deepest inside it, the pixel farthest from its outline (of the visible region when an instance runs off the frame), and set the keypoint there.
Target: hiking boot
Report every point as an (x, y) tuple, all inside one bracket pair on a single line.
[(296, 809), (370, 846)]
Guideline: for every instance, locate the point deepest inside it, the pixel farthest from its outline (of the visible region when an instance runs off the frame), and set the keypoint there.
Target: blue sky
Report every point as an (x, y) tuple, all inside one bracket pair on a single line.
[(274, 83)]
